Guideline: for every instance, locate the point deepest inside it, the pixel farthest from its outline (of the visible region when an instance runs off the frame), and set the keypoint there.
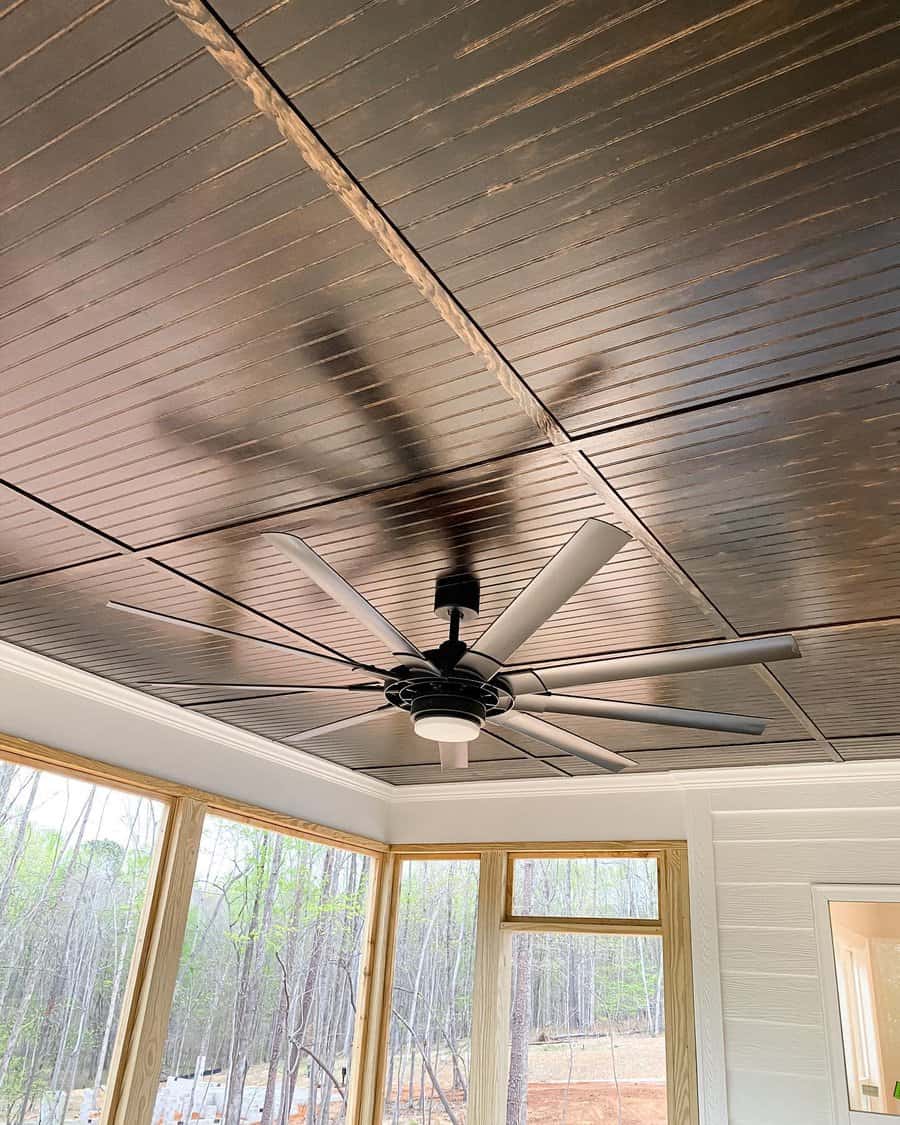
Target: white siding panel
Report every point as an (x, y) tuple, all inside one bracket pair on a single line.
[(806, 824), (760, 1098), (857, 860), (776, 1048), (774, 997), (845, 792), (770, 844), (754, 904), (747, 949)]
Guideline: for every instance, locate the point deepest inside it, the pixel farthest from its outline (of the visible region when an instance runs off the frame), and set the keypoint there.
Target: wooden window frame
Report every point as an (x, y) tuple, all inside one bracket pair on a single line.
[(496, 923), (143, 1023)]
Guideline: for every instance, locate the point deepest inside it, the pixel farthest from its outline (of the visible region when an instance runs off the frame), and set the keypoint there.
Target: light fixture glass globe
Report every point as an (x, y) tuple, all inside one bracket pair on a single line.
[(446, 728)]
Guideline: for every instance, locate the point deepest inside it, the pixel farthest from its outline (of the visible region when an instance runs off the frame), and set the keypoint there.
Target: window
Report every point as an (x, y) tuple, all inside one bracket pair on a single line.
[(262, 1020), (75, 862), (586, 1029), (172, 956), (858, 930), (429, 1033), (585, 887), (586, 1015)]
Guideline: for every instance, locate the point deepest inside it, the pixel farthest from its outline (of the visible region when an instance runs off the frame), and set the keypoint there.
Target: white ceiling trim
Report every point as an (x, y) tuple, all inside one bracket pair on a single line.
[(64, 677), (669, 781)]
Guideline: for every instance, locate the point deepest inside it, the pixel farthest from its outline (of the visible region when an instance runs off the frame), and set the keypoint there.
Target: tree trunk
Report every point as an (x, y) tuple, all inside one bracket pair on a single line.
[(247, 985), (520, 1017), (19, 846)]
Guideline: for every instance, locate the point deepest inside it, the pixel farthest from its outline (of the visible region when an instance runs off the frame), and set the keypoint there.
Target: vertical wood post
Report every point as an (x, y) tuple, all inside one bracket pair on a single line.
[(373, 1006), (681, 1051), (144, 1021), (489, 1067)]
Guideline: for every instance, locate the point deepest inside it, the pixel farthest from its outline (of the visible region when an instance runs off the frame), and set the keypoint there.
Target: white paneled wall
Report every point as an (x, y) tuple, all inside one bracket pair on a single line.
[(770, 843)]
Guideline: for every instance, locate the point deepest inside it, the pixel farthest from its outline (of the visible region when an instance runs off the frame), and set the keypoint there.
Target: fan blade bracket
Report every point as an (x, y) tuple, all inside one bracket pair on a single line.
[(524, 681)]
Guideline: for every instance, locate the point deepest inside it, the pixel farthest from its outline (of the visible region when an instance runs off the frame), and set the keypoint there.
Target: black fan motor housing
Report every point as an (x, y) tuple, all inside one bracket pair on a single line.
[(457, 590)]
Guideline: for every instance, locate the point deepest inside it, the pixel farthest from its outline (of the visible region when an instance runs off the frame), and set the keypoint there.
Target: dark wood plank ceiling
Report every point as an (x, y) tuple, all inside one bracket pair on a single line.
[(677, 222)]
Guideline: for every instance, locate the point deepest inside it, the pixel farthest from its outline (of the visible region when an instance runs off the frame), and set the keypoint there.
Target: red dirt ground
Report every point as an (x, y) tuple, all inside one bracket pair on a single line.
[(589, 1103), (595, 1103)]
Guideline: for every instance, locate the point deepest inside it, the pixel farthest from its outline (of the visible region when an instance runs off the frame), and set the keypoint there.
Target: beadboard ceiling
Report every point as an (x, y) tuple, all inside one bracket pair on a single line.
[(672, 229)]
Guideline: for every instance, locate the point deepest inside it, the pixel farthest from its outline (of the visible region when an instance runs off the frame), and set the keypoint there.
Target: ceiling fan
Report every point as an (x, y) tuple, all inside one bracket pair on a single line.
[(455, 691)]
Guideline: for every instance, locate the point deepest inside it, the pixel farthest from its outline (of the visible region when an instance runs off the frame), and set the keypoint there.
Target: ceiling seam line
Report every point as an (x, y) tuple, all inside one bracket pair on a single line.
[(740, 396), (123, 550), (205, 23), (528, 754), (144, 549), (227, 50)]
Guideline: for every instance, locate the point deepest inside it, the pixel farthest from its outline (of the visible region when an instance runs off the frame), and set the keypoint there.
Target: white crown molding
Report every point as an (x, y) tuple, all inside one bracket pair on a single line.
[(64, 677), (818, 773)]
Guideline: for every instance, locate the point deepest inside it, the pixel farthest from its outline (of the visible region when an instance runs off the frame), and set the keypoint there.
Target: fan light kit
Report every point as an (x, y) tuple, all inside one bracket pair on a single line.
[(446, 728), (455, 692)]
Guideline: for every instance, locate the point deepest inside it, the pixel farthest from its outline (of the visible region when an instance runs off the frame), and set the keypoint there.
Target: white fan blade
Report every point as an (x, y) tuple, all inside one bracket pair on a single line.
[(454, 755), (592, 545), (328, 580), (639, 713), (299, 688), (339, 724), (562, 739), (729, 654)]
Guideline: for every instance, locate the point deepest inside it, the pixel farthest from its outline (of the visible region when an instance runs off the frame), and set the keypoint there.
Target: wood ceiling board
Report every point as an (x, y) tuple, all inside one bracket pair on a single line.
[(784, 508), (120, 449), (175, 492), (391, 545), (191, 255), (282, 716), (849, 682), (741, 316), (464, 76), (862, 749), (155, 93), (64, 616), (260, 413), (132, 65), (91, 217), (711, 757), (751, 177), (28, 27), (34, 539)]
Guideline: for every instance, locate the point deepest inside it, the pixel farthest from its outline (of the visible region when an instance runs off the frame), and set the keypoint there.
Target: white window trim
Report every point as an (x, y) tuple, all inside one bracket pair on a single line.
[(822, 895)]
